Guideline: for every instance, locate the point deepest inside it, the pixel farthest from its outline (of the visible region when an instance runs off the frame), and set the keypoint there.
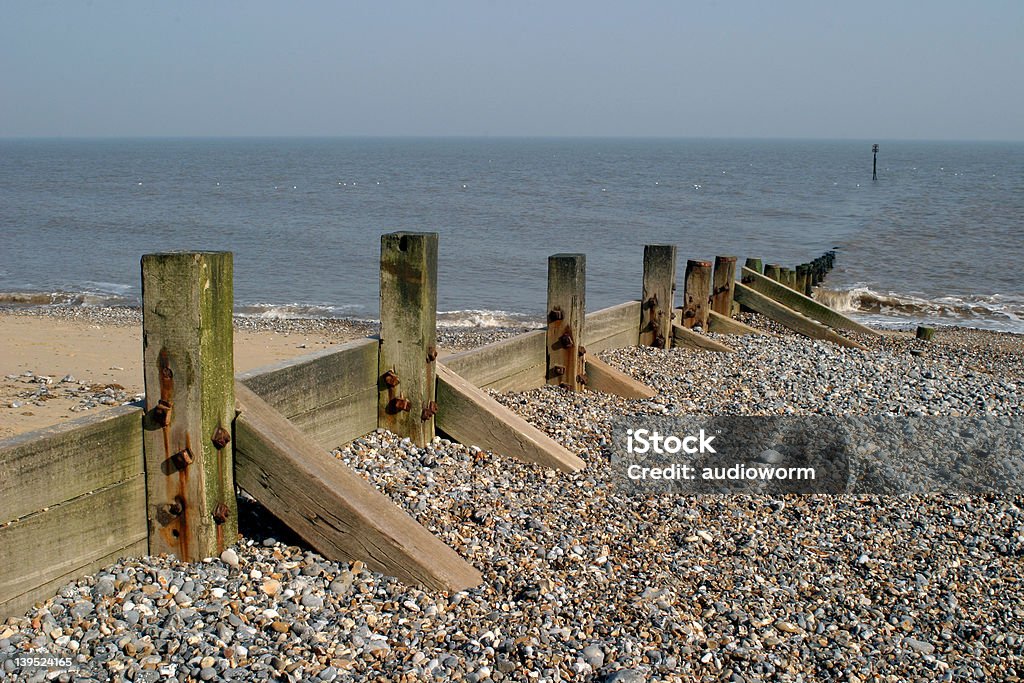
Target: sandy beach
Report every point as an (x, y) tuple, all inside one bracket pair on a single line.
[(582, 582)]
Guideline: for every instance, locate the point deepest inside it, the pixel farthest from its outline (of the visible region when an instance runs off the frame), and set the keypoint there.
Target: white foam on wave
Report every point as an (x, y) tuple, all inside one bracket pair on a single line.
[(485, 318), (294, 311), (996, 311)]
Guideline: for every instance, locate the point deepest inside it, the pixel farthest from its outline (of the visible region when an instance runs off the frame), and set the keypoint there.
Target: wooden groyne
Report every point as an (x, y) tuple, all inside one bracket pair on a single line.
[(160, 477)]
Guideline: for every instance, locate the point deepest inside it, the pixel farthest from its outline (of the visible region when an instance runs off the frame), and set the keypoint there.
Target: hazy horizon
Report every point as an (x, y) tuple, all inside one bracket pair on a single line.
[(794, 70)]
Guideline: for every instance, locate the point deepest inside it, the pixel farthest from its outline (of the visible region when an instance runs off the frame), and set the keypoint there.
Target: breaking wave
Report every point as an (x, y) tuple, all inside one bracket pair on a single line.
[(997, 311)]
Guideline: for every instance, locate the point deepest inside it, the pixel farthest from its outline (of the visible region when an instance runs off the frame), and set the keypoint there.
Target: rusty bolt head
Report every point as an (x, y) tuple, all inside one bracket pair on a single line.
[(431, 354), (557, 370), (581, 379), (555, 315), (653, 301), (162, 413), (429, 411), (175, 508), (183, 458), (166, 373), (399, 405), (391, 379), (221, 438), (221, 513), (659, 341), (566, 340)]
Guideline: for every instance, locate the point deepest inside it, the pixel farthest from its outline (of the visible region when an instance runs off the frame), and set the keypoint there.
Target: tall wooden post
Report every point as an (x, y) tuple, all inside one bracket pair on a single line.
[(567, 287), (754, 264), (773, 271), (697, 294), (188, 365), (408, 335), (724, 280), (659, 293)]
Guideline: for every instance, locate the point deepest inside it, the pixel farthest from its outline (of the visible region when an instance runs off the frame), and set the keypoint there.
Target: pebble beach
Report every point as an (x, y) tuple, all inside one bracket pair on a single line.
[(583, 582)]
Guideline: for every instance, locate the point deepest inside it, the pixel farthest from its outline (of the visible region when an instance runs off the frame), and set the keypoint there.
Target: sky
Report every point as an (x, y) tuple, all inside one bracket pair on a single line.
[(871, 69)]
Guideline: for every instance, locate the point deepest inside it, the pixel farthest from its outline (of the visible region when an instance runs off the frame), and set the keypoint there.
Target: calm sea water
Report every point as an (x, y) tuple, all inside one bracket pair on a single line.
[(939, 236)]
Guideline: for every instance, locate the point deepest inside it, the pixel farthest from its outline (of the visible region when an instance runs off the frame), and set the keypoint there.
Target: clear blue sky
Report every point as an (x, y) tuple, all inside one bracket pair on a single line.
[(879, 69)]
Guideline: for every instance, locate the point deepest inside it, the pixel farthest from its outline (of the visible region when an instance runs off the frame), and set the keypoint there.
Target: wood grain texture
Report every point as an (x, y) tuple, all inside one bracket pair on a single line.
[(722, 283), (719, 324), (788, 317), (504, 365), (567, 296), (331, 394), (697, 294), (469, 415), (309, 382), (63, 540), (658, 296), (608, 380), (55, 464), (408, 332), (612, 328), (187, 303), (334, 509), (695, 340), (801, 303)]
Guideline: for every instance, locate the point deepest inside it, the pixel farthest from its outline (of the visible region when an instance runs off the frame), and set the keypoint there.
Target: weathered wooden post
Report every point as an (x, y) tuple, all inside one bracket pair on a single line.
[(567, 287), (802, 271), (789, 277), (724, 279), (754, 264), (772, 271), (188, 364), (697, 294), (659, 293), (925, 333), (406, 402)]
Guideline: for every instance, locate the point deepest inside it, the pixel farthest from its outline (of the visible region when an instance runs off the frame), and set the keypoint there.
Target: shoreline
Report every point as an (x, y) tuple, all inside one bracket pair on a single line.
[(585, 582)]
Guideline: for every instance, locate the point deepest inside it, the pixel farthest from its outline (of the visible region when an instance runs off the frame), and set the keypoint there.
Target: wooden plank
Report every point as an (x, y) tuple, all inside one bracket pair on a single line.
[(333, 508), (495, 362), (408, 332), (612, 328), (187, 303), (694, 340), (472, 417), (314, 380), (341, 421), (721, 289), (567, 295), (786, 316), (54, 464), (608, 380), (24, 602), (63, 540), (801, 303), (720, 324), (697, 294), (659, 292)]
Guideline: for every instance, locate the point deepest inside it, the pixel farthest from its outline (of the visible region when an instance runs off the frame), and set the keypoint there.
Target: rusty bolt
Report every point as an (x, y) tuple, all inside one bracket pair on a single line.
[(221, 513), (583, 349), (653, 301), (581, 379), (399, 405), (659, 341), (555, 315), (429, 412), (221, 438), (431, 354), (557, 370), (391, 379), (162, 413), (183, 458), (566, 339), (176, 508), (166, 373)]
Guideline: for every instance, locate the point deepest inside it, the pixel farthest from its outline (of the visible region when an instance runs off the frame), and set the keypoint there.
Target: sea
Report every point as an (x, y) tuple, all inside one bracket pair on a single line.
[(937, 238)]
